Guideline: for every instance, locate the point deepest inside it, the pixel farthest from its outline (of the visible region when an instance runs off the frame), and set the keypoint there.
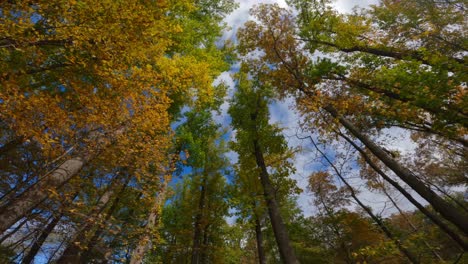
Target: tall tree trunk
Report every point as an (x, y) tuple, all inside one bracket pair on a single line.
[(204, 246), (29, 258), (197, 234), (376, 219), (441, 206), (434, 218), (39, 192), (279, 229), (259, 238)]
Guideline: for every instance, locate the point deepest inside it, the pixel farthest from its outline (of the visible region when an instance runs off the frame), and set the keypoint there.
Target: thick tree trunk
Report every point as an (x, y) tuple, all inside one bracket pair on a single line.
[(279, 229), (37, 193), (441, 206), (197, 234), (259, 237), (434, 218), (29, 258)]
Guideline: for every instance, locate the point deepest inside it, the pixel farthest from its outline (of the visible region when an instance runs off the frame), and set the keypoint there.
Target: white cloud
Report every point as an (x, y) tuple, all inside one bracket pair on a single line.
[(346, 6)]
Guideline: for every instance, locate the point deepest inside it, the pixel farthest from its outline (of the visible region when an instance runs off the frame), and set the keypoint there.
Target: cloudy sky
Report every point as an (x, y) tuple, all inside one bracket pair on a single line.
[(283, 114)]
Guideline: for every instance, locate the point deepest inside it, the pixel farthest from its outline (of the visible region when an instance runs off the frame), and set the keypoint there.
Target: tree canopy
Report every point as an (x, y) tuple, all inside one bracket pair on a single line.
[(122, 142)]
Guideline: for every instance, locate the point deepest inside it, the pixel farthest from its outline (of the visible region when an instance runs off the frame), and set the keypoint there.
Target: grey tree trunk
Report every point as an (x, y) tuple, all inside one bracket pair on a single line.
[(279, 229), (259, 237)]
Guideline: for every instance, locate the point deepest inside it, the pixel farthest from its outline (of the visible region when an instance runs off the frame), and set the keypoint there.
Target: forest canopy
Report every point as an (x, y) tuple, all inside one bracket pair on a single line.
[(139, 132)]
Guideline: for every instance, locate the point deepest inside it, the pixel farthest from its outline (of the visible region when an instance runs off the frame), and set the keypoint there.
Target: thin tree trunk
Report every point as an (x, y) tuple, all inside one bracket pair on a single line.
[(382, 226), (39, 192), (259, 238), (453, 199), (196, 248), (52, 256), (29, 258), (279, 229), (434, 218), (441, 206)]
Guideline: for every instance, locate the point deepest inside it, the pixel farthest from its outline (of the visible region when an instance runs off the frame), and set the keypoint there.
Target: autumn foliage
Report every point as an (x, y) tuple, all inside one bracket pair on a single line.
[(111, 148)]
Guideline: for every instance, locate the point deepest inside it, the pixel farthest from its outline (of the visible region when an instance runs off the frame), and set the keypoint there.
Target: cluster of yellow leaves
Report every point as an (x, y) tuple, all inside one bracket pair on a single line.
[(70, 67)]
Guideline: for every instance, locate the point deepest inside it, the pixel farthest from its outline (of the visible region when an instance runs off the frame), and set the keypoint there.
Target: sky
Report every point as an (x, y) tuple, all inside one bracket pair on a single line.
[(283, 114)]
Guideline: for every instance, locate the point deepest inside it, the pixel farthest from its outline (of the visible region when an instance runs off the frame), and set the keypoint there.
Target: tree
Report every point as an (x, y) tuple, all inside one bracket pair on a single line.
[(256, 139), (290, 70), (94, 87)]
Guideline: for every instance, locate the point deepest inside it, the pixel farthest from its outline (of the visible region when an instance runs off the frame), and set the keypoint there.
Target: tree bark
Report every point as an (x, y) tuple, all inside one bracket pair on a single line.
[(259, 237), (197, 234), (279, 229), (29, 258), (444, 208), (204, 246)]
